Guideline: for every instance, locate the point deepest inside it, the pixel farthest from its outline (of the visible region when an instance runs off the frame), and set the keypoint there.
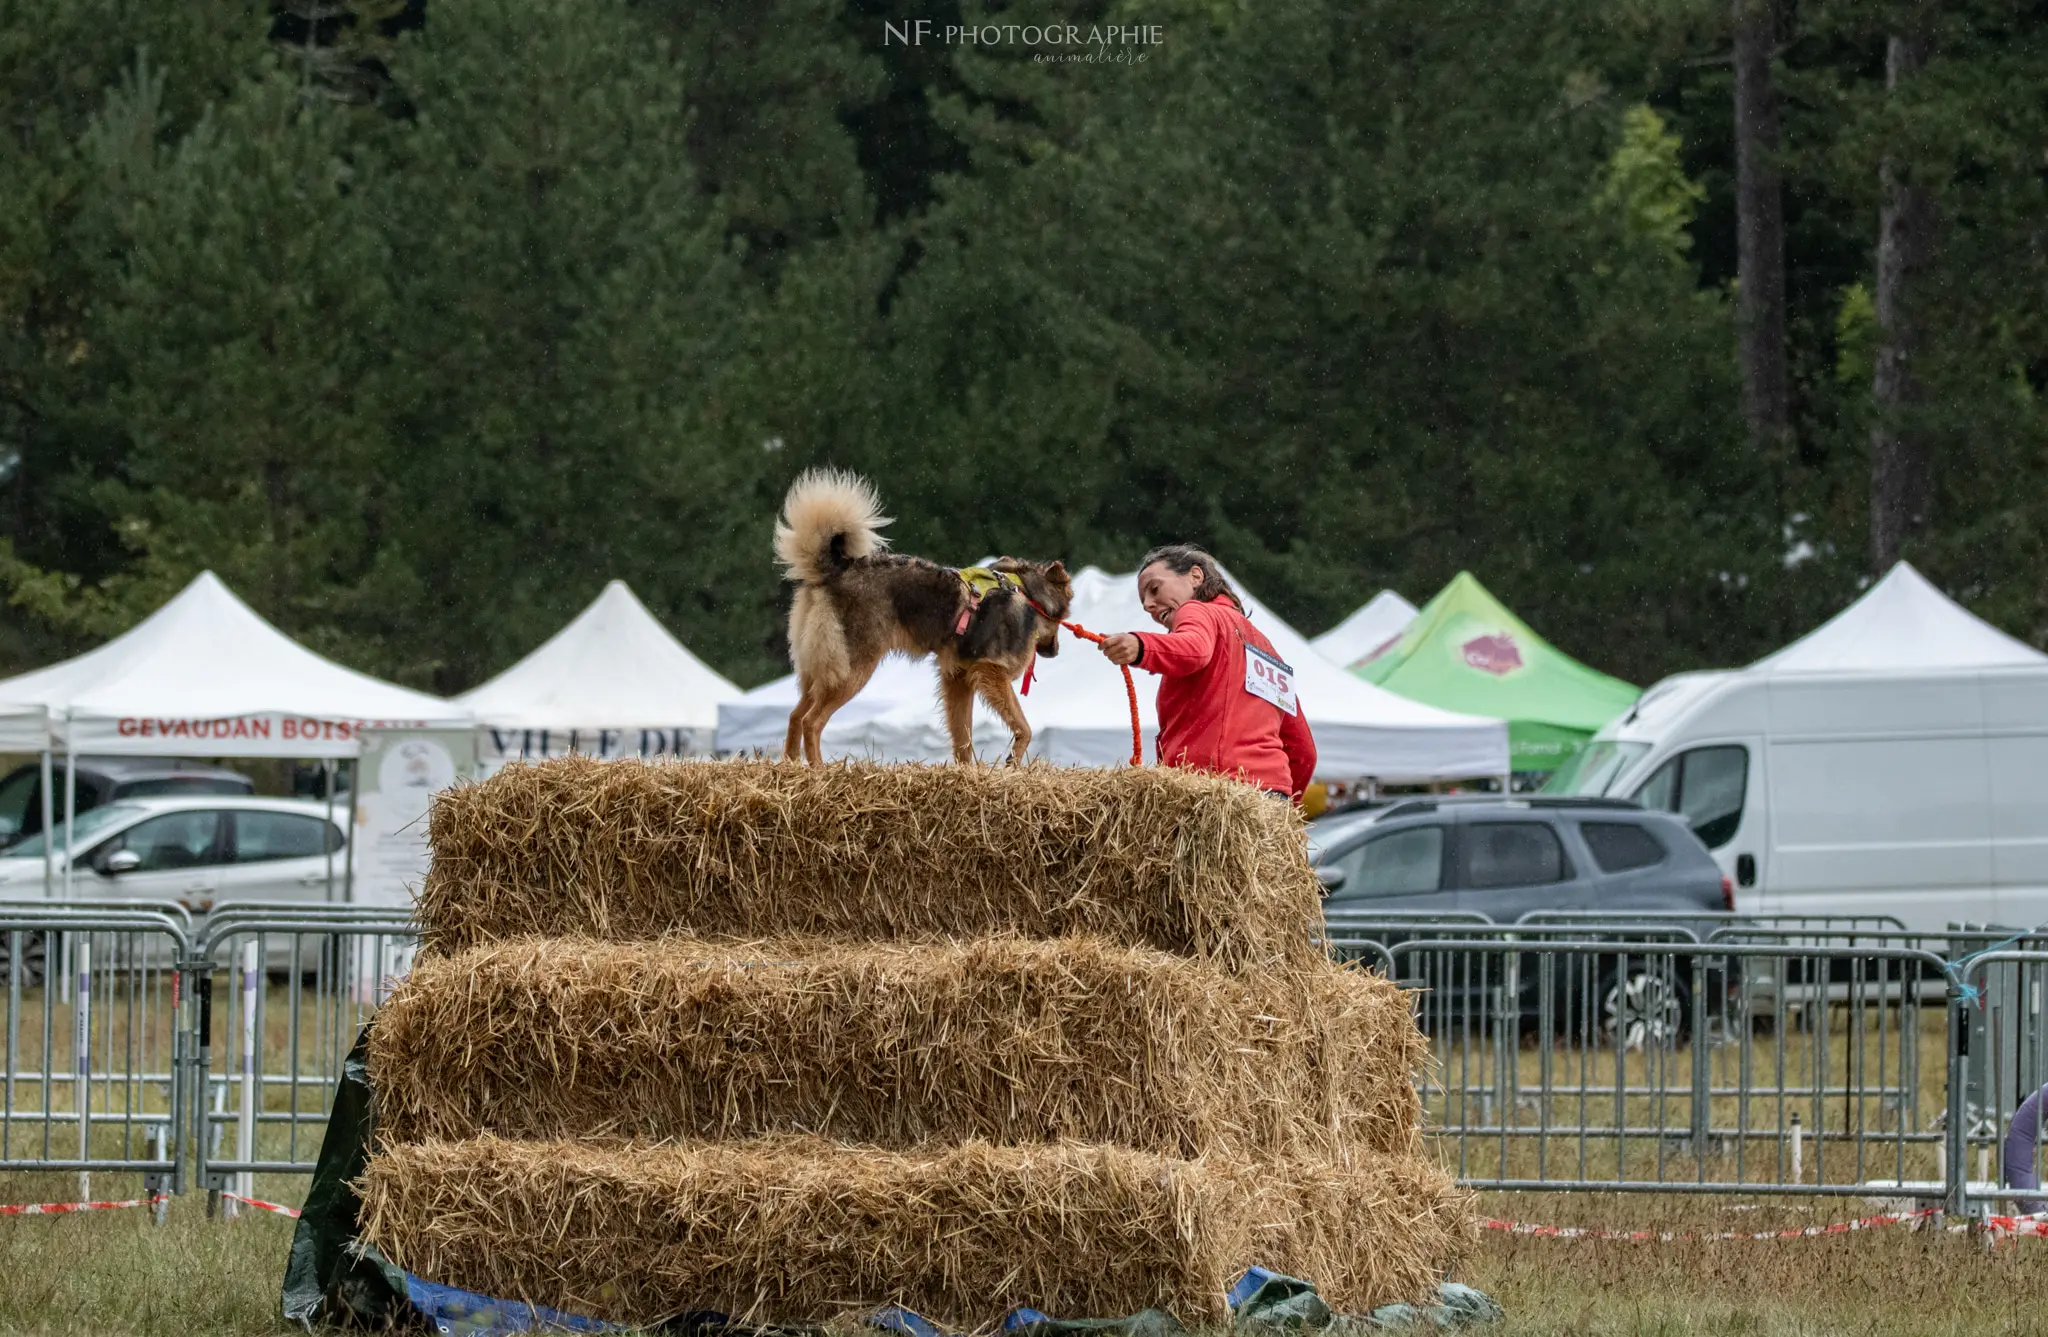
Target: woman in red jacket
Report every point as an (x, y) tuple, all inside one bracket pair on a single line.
[(1226, 701)]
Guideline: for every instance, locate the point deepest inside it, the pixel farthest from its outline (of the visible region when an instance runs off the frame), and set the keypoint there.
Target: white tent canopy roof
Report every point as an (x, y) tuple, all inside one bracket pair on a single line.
[(613, 667), (1378, 623), (1080, 715), (205, 676), (1901, 624)]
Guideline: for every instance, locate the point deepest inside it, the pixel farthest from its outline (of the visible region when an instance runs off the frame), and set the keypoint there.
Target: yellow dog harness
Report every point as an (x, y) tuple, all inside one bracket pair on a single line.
[(981, 581)]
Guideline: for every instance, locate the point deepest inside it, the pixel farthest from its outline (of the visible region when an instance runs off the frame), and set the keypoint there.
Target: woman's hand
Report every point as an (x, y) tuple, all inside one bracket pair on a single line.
[(1122, 648)]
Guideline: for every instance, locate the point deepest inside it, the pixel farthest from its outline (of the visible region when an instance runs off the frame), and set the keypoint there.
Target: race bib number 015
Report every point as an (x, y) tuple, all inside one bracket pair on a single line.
[(1268, 679)]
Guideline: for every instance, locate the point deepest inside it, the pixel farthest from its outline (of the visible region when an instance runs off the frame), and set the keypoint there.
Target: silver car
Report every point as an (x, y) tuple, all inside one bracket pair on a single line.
[(197, 850)]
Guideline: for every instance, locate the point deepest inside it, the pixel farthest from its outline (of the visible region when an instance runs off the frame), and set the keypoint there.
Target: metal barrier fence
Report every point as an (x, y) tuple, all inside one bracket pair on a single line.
[(1998, 1056), (1818, 929), (1633, 1066), (1831, 1055), (282, 995), (93, 1057), (1684, 1054), (108, 1035)]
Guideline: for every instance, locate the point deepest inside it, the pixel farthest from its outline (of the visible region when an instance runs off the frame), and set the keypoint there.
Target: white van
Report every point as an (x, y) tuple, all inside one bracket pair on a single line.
[(1895, 761)]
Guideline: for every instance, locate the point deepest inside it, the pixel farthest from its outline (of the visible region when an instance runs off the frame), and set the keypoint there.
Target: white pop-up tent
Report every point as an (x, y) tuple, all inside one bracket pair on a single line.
[(206, 676), (613, 682), (1080, 714), (202, 676), (1901, 624), (1371, 628)]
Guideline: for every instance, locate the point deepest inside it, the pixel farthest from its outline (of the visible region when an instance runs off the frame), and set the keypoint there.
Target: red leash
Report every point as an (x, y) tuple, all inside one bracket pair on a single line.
[(1130, 686)]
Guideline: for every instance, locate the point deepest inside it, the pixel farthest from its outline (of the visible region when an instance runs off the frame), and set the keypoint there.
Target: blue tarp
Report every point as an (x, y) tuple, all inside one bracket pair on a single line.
[(1260, 1300), (459, 1313)]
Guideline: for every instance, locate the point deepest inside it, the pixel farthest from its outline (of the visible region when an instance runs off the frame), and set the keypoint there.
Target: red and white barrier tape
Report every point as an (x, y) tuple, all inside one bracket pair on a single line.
[(2017, 1225), (263, 1206), (59, 1208), (1997, 1225)]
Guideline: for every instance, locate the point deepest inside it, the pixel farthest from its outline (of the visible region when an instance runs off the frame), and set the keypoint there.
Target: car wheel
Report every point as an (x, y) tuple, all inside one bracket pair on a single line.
[(1644, 1007), (34, 958)]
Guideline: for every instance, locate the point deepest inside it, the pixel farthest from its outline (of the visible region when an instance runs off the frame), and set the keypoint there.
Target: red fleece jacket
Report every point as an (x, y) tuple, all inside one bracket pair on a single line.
[(1207, 720)]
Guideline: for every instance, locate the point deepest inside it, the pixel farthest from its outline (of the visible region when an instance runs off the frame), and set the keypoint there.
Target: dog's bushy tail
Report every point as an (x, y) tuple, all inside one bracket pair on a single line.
[(829, 518)]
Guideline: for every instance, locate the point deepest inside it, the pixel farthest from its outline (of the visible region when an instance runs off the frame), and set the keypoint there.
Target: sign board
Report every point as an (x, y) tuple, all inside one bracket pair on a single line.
[(265, 735), (399, 772), (495, 747)]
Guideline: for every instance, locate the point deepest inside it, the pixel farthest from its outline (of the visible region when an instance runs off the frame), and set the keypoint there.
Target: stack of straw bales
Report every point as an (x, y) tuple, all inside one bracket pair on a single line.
[(788, 1042)]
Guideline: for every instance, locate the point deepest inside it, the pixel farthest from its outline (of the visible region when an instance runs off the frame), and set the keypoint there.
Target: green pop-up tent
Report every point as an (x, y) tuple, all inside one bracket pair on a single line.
[(1466, 652)]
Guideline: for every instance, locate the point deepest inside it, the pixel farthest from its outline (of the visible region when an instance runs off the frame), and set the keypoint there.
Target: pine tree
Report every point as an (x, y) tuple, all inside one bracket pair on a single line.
[(572, 312), (237, 340)]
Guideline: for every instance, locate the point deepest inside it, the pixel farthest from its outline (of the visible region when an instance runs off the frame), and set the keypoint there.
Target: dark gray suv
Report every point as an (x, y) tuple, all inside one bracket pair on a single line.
[(1506, 857)]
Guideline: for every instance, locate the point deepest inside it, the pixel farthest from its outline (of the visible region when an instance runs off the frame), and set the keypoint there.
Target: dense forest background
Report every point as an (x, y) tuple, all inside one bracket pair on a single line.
[(417, 322)]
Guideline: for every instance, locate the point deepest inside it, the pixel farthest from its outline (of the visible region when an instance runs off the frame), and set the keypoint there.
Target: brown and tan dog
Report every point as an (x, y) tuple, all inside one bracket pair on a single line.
[(856, 601)]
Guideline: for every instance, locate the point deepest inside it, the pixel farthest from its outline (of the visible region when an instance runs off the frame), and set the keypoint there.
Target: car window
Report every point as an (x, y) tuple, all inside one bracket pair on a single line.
[(1512, 854), (1660, 791), (1619, 846), (1398, 863), (1706, 786), (84, 827), (181, 784), (1711, 793), (174, 840), (281, 835), (1594, 767), (1335, 829), (15, 794)]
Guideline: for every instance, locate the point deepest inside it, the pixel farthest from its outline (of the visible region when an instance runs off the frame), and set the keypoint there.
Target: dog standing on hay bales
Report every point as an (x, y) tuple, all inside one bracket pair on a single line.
[(856, 601)]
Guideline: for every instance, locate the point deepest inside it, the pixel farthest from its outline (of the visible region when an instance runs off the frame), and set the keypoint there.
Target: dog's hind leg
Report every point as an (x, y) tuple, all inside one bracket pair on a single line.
[(995, 689), (956, 693), (792, 741), (826, 703)]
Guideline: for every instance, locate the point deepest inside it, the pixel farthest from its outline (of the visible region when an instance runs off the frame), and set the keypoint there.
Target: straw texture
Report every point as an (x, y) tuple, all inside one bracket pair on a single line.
[(1005, 1040), (794, 1042), (1197, 865), (790, 1230)]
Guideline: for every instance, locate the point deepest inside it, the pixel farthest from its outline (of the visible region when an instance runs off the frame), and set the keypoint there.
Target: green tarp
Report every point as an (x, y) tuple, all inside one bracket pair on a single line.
[(1466, 652), (329, 1277)]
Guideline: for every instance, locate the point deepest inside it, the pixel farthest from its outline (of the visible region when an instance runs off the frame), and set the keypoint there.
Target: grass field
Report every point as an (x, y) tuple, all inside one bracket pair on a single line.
[(114, 1272)]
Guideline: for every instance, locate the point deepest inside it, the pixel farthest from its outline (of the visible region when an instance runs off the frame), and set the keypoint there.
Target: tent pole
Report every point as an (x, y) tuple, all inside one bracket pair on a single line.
[(70, 810), (348, 849), (49, 779), (70, 804), (327, 783)]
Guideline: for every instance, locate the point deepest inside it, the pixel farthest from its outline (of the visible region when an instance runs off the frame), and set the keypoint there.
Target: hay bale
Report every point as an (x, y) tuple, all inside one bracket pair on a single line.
[(1006, 1040), (1148, 857), (798, 1230)]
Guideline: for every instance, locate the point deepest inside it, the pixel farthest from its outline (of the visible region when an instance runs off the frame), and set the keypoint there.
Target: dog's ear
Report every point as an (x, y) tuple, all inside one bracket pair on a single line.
[(1010, 565), (1057, 573)]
